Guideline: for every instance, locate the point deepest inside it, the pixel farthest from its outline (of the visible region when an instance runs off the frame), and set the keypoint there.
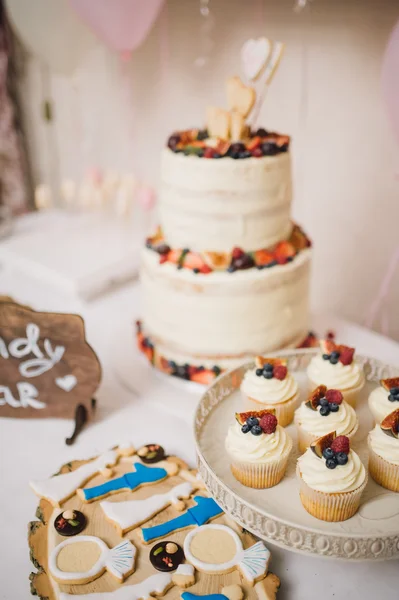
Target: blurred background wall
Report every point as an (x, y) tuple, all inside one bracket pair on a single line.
[(327, 95)]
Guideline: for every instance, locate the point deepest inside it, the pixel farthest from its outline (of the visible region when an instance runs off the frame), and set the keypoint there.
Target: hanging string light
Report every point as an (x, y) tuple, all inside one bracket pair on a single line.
[(300, 5), (206, 28)]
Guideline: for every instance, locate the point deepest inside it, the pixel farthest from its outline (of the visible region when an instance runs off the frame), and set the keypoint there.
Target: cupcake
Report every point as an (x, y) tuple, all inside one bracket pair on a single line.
[(336, 368), (270, 386), (383, 442), (332, 478), (324, 411), (258, 448), (382, 399)]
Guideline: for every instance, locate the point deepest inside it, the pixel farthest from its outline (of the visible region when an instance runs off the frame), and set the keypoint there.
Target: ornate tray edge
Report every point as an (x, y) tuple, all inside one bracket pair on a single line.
[(263, 525)]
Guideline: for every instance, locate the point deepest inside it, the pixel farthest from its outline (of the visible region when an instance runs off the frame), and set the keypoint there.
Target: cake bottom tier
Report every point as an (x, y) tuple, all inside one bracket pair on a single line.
[(221, 319)]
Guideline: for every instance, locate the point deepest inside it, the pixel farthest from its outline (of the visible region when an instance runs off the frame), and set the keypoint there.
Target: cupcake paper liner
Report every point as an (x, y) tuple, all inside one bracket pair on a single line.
[(284, 410), (383, 472), (305, 438), (261, 475), (350, 395), (338, 506)]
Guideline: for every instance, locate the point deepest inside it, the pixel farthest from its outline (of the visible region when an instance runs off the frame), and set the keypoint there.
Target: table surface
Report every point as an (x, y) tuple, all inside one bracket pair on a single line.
[(35, 448)]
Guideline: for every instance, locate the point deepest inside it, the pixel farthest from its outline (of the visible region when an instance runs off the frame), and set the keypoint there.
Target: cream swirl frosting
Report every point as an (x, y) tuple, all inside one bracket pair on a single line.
[(337, 376), (343, 421), (344, 478), (268, 391), (263, 448), (379, 403), (384, 445)]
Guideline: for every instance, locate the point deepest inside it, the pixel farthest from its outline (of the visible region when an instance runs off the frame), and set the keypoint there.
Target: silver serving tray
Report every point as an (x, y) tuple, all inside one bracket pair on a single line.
[(276, 515)]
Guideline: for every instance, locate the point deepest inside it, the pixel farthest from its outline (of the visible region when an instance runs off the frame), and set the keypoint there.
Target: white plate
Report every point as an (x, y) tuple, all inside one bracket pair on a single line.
[(276, 514)]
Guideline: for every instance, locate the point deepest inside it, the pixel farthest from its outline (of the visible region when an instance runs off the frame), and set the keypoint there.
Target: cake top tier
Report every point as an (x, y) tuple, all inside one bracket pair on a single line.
[(217, 205), (258, 143)]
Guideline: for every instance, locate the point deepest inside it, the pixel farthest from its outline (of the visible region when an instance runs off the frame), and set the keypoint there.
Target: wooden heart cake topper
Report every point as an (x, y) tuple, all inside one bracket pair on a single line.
[(47, 369), (260, 60), (254, 56), (240, 98)]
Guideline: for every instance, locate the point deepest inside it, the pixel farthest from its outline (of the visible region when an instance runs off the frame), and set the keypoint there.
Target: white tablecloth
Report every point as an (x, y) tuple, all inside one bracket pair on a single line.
[(36, 448)]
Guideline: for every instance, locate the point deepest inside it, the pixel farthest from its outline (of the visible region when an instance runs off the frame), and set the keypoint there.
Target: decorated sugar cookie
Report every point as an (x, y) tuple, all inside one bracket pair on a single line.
[(142, 475), (204, 510), (70, 522), (151, 453), (267, 588), (92, 565), (218, 549), (132, 513), (230, 592), (184, 576), (156, 585), (59, 488), (166, 556), (93, 557)]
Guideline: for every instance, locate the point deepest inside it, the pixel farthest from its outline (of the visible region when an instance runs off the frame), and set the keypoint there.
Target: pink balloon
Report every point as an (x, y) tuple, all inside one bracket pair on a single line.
[(390, 79), (122, 24)]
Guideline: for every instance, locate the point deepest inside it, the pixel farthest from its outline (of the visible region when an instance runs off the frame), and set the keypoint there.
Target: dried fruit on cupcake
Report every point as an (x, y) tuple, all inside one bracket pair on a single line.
[(327, 400), (271, 367), (390, 425), (257, 422), (333, 449), (392, 386), (319, 445), (335, 353)]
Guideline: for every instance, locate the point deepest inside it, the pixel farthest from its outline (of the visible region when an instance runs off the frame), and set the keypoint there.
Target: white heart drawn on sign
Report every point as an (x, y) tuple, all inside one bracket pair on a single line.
[(254, 55), (66, 383)]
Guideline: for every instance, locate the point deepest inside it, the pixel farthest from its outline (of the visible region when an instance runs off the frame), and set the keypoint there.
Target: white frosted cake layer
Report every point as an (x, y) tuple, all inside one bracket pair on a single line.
[(224, 316), (217, 204)]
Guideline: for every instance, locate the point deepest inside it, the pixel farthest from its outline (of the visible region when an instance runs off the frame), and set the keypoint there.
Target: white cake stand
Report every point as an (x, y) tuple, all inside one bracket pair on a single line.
[(276, 514), (134, 372)]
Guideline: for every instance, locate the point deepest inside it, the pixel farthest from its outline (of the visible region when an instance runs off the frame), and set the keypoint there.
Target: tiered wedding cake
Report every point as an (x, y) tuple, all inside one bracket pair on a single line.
[(226, 276)]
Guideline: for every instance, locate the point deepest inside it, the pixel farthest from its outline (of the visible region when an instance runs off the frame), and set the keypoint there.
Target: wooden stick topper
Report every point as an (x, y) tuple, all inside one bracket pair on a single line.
[(47, 369)]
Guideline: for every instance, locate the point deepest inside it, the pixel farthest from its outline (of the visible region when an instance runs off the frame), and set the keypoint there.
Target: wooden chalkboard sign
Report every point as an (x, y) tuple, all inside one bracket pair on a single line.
[(47, 369)]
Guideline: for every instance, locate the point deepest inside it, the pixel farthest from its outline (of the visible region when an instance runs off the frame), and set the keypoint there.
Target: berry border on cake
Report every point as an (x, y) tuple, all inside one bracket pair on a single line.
[(205, 263)]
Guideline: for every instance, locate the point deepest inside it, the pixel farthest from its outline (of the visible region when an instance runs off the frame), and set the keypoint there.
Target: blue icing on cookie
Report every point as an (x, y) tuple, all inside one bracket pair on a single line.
[(190, 596), (129, 481), (204, 510)]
